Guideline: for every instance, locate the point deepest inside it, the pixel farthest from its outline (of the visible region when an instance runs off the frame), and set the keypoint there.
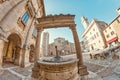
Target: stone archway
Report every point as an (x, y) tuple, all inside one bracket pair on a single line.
[(31, 55), (12, 49)]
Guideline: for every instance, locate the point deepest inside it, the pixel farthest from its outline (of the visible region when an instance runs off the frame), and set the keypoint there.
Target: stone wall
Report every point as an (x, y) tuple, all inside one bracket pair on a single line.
[(116, 25), (11, 13), (1, 50)]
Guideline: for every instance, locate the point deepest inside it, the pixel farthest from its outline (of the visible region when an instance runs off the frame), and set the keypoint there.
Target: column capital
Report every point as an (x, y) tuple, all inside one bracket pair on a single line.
[(25, 46), (40, 29), (73, 27), (38, 26), (3, 37)]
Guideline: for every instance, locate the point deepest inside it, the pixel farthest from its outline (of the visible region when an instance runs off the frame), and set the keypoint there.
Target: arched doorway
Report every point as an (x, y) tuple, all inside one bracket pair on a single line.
[(31, 56), (12, 50)]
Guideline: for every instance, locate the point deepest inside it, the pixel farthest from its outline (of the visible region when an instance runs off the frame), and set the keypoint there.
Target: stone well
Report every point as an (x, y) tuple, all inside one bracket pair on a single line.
[(64, 70)]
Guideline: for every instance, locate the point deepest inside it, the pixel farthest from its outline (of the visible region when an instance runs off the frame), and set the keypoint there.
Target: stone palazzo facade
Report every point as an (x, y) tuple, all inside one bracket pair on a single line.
[(17, 40), (112, 33), (93, 35), (99, 34), (64, 47)]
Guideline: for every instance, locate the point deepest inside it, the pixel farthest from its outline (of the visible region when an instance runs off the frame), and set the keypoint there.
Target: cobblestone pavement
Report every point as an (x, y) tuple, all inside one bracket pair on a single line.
[(107, 69), (13, 72)]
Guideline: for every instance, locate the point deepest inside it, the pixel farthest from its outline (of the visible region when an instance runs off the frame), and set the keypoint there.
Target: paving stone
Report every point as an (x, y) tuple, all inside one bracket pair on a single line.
[(93, 67), (112, 77), (117, 70), (106, 72), (8, 65), (23, 71), (99, 70), (6, 75)]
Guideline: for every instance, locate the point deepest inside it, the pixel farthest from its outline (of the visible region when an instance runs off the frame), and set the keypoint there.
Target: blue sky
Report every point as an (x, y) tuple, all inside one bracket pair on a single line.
[(103, 10)]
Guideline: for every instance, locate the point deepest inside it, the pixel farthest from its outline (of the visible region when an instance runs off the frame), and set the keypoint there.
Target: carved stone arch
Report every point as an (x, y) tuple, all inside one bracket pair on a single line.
[(17, 33), (12, 49)]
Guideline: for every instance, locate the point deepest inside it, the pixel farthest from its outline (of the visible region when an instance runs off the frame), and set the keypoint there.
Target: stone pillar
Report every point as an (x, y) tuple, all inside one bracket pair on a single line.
[(2, 44), (1, 51), (36, 68), (10, 51), (37, 46), (24, 56), (18, 56), (82, 69)]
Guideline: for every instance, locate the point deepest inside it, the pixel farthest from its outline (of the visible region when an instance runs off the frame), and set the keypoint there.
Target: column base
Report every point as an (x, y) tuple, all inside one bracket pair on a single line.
[(33, 78), (83, 77), (26, 64), (35, 73), (82, 70), (0, 66), (1, 63)]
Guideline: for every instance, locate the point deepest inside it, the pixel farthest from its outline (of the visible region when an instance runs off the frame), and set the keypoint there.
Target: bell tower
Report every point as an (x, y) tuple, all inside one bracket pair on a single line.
[(118, 11), (85, 22)]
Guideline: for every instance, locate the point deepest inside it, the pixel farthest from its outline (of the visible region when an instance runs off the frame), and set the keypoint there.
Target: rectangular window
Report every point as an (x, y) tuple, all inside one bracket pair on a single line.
[(59, 41), (106, 31), (94, 35), (90, 33), (25, 18), (118, 20), (112, 32), (97, 34), (99, 41), (108, 36), (35, 32), (109, 27)]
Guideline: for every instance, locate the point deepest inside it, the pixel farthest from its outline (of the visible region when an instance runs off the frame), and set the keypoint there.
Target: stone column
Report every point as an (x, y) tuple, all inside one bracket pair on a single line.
[(37, 46), (1, 51), (36, 68), (18, 57), (24, 56), (2, 46), (82, 69), (10, 51)]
